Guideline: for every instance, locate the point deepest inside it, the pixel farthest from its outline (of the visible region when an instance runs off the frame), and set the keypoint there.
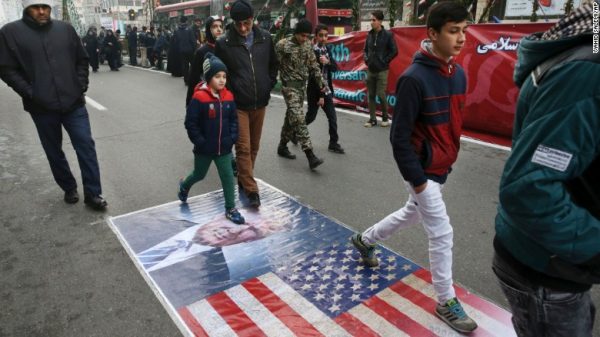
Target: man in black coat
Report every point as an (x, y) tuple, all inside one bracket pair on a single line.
[(186, 44), (315, 97), (90, 42), (132, 43), (380, 50), (44, 62), (249, 55)]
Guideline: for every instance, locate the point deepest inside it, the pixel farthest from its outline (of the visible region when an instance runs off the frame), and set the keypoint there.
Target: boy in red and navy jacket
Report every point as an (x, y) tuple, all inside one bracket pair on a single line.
[(425, 138), (212, 126)]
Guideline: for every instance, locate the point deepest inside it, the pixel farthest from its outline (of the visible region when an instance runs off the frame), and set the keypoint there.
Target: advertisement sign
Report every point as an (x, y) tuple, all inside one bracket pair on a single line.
[(173, 14), (335, 12), (106, 22), (488, 58), (547, 7), (188, 12), (368, 6)]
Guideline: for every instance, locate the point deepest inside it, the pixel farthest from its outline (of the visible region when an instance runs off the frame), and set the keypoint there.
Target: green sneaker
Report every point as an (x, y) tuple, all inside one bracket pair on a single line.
[(455, 316), (367, 252)]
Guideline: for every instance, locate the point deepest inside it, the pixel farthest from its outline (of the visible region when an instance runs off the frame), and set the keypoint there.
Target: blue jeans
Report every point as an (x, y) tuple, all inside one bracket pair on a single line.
[(543, 312), (77, 124)]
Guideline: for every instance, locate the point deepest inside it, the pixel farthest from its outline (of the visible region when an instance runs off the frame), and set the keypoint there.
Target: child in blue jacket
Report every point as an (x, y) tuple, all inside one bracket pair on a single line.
[(212, 126)]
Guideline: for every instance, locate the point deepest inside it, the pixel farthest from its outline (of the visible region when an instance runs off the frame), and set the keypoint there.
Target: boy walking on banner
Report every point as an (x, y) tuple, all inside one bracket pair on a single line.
[(425, 138), (212, 126)]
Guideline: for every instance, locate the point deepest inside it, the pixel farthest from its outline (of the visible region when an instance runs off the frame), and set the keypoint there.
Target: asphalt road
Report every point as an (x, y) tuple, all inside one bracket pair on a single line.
[(63, 272)]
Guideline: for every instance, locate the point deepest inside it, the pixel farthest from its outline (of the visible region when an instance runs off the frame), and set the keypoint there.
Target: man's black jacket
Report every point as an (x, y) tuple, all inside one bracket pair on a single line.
[(46, 65), (380, 50), (252, 72)]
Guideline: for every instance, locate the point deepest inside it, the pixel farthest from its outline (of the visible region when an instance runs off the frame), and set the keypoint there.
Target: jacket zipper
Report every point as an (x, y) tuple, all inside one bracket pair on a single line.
[(220, 124), (253, 77)]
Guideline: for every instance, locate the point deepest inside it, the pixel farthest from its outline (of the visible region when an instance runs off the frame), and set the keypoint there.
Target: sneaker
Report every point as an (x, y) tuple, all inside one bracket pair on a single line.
[(71, 197), (455, 316), (384, 123), (96, 202), (367, 252), (235, 216), (370, 123), (336, 148), (254, 199), (183, 193)]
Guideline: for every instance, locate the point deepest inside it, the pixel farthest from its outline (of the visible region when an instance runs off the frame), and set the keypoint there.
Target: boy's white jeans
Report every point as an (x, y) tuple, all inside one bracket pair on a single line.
[(427, 207)]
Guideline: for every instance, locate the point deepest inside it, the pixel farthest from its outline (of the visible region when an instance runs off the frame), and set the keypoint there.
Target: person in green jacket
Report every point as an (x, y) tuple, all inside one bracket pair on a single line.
[(547, 244)]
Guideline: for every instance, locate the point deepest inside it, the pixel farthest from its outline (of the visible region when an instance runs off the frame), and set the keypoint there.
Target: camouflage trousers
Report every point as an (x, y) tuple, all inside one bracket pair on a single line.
[(294, 126)]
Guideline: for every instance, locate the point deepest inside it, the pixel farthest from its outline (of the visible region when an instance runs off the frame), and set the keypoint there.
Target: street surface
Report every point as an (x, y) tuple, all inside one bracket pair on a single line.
[(63, 271)]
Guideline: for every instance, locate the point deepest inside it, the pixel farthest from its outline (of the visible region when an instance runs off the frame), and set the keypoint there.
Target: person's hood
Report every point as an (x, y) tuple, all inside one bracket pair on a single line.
[(203, 86), (573, 30), (532, 52), (32, 23), (426, 57), (209, 37)]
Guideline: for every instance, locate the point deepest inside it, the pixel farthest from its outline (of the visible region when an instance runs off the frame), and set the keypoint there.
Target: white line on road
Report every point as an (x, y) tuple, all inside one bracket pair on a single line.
[(463, 138), (95, 104)]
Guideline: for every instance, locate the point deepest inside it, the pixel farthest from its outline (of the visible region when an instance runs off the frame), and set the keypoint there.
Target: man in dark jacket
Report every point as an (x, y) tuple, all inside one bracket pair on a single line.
[(160, 45), (45, 63), (90, 43), (132, 43), (249, 54), (186, 44), (380, 50), (149, 41), (315, 97), (547, 244)]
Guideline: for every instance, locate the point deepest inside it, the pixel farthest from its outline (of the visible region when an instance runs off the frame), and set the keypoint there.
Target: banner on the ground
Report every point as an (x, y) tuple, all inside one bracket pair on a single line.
[(289, 271), (489, 58)]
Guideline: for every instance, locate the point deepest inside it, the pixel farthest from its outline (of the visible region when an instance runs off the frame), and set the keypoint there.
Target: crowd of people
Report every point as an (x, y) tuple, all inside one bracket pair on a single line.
[(107, 46), (547, 251)]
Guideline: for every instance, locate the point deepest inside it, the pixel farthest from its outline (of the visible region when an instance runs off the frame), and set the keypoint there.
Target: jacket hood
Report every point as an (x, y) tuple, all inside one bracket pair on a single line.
[(32, 23), (209, 36), (533, 51), (203, 86), (426, 57)]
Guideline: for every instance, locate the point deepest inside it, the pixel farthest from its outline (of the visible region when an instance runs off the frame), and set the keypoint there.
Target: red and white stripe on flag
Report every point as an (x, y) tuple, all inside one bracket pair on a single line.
[(268, 306)]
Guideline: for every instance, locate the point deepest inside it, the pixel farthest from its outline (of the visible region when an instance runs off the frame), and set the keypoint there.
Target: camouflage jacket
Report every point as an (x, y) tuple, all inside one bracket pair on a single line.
[(297, 62)]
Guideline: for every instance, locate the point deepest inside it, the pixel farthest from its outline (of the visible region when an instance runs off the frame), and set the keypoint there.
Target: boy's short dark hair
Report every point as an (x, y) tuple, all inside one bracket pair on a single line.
[(378, 15), (445, 11), (321, 27)]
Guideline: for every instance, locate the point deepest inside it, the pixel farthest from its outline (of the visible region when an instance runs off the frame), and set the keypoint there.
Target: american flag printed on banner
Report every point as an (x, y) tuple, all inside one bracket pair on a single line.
[(303, 279), (330, 293)]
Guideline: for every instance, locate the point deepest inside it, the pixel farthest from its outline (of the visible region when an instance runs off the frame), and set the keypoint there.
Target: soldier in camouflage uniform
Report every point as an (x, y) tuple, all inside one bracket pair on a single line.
[(297, 61)]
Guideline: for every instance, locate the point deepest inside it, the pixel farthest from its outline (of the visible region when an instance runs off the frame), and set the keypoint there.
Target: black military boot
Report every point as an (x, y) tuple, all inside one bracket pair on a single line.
[(284, 152), (313, 161)]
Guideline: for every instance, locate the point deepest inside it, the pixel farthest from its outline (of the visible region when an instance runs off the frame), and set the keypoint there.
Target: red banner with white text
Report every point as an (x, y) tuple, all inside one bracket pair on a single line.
[(488, 58)]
